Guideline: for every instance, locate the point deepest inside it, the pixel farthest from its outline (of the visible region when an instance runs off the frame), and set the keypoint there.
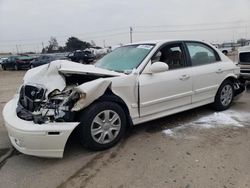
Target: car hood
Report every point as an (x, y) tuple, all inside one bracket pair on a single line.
[(77, 68), (52, 75)]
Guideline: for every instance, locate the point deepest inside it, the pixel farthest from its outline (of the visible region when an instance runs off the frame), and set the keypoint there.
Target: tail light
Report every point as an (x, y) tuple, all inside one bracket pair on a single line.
[(20, 61)]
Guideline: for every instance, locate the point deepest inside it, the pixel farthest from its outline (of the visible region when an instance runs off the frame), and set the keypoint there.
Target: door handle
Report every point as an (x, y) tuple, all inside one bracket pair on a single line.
[(184, 77), (219, 71)]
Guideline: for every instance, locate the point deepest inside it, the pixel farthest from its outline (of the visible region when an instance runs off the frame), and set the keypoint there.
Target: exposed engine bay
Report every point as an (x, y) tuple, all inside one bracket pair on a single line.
[(39, 104)]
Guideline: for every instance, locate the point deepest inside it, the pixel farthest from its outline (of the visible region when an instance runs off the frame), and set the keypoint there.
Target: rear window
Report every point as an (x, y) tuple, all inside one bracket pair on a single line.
[(245, 57)]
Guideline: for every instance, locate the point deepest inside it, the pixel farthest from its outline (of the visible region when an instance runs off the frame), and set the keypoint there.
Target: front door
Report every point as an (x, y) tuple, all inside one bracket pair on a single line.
[(160, 92)]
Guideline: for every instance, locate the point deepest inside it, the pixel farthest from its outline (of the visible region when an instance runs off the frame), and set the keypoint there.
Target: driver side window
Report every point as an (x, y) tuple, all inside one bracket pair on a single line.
[(172, 54)]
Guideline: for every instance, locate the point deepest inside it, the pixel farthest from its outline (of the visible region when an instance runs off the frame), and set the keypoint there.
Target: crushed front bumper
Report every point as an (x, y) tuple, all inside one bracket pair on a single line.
[(43, 140)]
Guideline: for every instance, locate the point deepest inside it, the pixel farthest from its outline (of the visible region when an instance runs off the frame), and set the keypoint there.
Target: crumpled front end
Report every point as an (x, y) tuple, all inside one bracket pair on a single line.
[(49, 95), (43, 140), (41, 117)]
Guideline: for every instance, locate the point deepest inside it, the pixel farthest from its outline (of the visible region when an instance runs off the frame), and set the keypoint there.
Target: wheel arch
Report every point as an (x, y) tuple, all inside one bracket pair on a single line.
[(108, 95), (111, 97), (232, 78)]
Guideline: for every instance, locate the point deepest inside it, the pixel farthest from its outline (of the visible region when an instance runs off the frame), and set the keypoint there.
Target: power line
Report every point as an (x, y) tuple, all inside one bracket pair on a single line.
[(188, 30), (194, 24), (87, 34), (92, 35)]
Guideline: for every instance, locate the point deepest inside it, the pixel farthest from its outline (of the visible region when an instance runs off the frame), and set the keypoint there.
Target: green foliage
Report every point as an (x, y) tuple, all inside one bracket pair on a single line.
[(74, 43)]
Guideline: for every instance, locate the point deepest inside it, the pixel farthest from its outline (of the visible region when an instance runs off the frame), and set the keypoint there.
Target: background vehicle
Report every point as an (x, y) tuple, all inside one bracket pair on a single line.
[(244, 63), (79, 56), (17, 62), (2, 59), (227, 47), (45, 59)]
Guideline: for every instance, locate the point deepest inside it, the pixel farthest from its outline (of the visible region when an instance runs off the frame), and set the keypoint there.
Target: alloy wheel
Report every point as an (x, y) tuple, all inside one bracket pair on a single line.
[(226, 96), (105, 126)]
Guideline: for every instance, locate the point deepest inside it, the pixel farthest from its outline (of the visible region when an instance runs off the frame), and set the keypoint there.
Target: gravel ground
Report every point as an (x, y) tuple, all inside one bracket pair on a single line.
[(196, 148)]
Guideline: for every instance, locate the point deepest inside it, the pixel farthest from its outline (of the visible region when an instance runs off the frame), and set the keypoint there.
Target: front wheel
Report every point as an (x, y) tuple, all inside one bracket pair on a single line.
[(225, 52), (224, 96), (81, 61), (103, 124)]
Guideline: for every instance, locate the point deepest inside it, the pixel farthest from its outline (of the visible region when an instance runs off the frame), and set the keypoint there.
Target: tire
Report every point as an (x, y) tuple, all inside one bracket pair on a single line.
[(224, 96), (16, 67), (225, 52), (3, 67), (95, 133), (81, 61)]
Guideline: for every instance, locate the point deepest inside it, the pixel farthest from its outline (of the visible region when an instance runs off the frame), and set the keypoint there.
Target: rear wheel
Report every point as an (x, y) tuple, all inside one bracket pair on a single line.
[(3, 67), (224, 96), (16, 67), (103, 125)]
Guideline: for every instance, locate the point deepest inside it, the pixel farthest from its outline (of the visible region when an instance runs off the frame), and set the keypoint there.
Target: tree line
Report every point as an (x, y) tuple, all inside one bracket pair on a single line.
[(72, 44)]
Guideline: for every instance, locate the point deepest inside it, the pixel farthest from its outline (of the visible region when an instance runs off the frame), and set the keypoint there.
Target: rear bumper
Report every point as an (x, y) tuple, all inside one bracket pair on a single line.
[(245, 72), (245, 76), (45, 140), (23, 65)]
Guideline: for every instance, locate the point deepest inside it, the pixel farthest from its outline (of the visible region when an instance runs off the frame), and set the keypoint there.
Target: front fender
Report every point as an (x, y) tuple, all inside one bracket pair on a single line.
[(89, 92)]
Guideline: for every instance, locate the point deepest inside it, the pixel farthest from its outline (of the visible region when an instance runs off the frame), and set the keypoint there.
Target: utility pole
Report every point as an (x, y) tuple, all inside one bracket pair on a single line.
[(131, 34), (246, 32), (21, 50), (104, 43), (17, 49)]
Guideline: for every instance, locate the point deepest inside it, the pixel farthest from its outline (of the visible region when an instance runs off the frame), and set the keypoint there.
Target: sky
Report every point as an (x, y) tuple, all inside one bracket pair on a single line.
[(27, 25)]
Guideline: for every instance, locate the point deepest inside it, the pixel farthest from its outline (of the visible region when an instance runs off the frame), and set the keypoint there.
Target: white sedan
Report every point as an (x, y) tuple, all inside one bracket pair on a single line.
[(133, 84)]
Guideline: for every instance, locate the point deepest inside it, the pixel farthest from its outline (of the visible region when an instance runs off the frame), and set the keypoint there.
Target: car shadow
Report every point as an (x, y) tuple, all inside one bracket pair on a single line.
[(172, 121)]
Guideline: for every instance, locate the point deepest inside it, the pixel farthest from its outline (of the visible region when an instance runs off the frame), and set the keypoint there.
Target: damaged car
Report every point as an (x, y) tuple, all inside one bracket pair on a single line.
[(133, 84)]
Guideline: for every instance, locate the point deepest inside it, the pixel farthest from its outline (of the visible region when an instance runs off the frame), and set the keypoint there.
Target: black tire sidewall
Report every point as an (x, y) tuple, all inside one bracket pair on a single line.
[(86, 121), (16, 67), (217, 102)]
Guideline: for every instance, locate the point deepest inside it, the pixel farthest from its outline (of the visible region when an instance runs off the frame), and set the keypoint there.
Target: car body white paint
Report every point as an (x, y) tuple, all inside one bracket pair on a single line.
[(161, 94)]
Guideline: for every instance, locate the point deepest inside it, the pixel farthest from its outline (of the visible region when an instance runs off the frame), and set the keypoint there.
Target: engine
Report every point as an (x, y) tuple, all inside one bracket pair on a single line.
[(35, 105)]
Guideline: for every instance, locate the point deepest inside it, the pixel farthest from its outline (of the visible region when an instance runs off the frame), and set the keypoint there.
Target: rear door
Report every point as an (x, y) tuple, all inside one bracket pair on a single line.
[(206, 70), (10, 62)]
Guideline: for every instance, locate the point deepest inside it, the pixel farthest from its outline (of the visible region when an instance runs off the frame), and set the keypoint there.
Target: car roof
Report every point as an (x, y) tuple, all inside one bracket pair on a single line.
[(162, 41)]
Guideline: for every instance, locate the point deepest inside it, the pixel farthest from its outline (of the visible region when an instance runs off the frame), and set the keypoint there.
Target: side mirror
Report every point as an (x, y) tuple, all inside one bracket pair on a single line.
[(158, 66)]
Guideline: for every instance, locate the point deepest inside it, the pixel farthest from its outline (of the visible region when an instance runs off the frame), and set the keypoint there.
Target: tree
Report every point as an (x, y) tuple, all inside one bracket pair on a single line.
[(74, 43), (92, 43), (61, 49), (44, 50), (53, 45), (242, 42)]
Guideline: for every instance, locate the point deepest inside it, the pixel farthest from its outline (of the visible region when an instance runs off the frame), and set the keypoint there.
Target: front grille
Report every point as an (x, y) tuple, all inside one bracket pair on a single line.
[(245, 71), (244, 57), (31, 97)]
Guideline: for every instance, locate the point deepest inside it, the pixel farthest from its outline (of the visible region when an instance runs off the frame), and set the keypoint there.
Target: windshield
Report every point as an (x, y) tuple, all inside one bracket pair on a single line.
[(125, 58)]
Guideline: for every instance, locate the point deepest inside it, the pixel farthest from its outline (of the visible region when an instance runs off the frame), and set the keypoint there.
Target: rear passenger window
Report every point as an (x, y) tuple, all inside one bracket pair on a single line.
[(201, 54)]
